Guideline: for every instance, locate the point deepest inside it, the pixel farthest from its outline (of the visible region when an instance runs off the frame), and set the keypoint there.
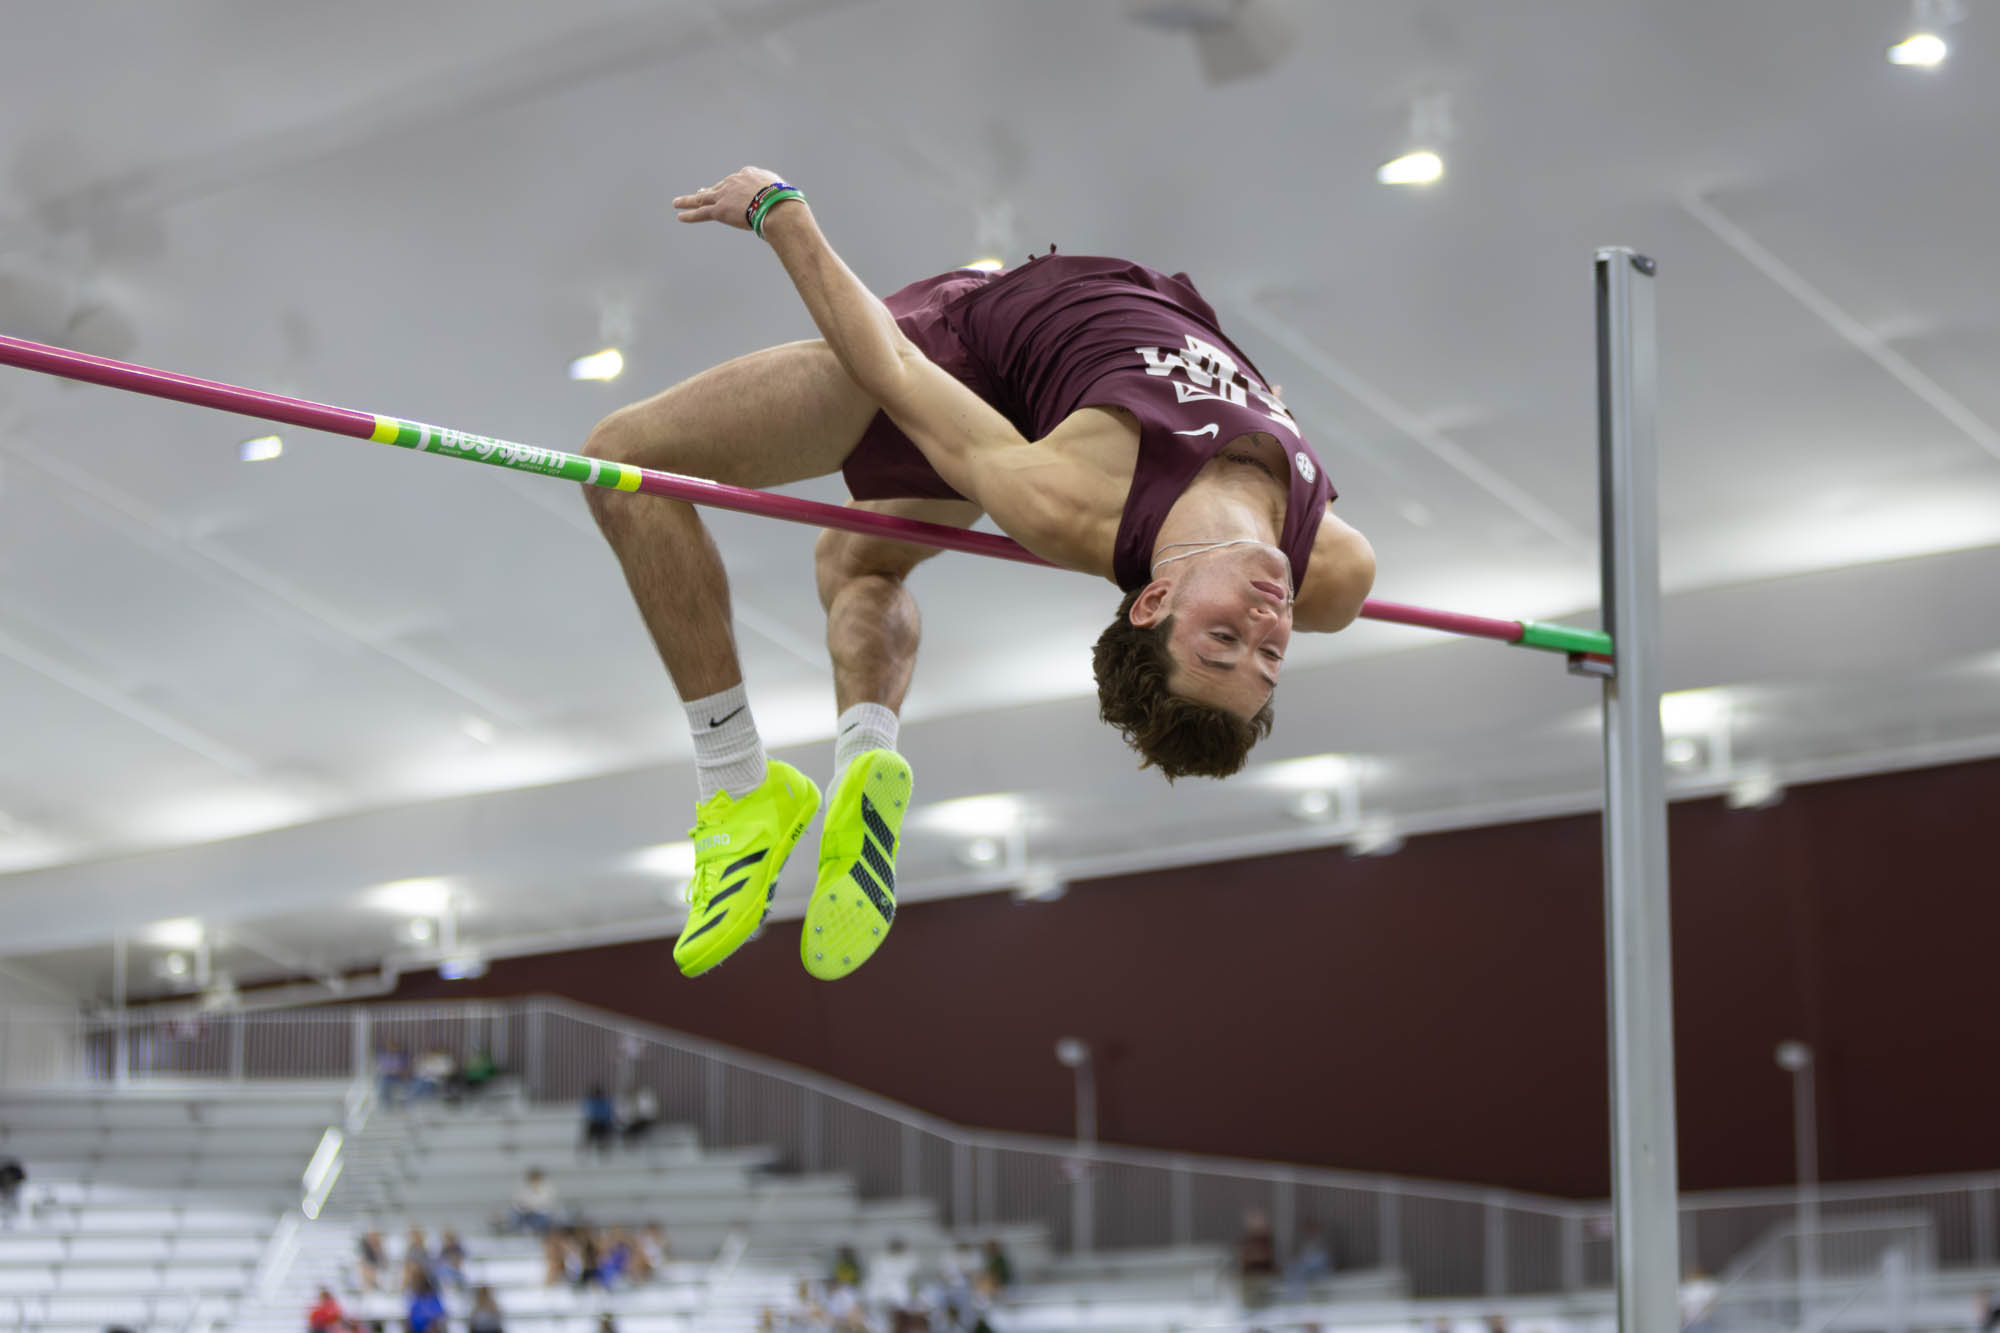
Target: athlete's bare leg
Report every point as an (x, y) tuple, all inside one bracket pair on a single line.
[(775, 416), (872, 625)]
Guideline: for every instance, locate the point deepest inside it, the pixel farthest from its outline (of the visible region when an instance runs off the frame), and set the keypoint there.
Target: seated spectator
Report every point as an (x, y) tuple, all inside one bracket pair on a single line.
[(371, 1259), (435, 1075), (1256, 1258), (392, 1074), (846, 1270), (417, 1262), (555, 1260), (448, 1264), (1309, 1264), (535, 1203), (614, 1267), (485, 1316), (999, 1268), (653, 1245), (478, 1072), (600, 1121), (12, 1176), (426, 1310), (638, 1112), (606, 1324), (588, 1269), (326, 1315), (892, 1276)]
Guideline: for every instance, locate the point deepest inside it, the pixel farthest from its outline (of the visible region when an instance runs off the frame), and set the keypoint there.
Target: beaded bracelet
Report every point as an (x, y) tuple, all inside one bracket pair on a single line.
[(763, 210), (750, 210)]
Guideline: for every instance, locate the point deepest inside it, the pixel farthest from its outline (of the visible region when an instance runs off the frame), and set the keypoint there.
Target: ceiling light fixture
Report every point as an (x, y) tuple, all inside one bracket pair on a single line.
[(987, 265), (176, 965), (412, 897), (261, 449), (182, 932), (608, 364), (1420, 168), (974, 816), (1925, 47), (419, 930), (1430, 129), (1312, 804), (1682, 752), (670, 860), (982, 851)]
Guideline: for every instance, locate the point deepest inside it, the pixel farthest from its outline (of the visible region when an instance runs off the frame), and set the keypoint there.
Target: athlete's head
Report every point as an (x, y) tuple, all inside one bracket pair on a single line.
[(1187, 669)]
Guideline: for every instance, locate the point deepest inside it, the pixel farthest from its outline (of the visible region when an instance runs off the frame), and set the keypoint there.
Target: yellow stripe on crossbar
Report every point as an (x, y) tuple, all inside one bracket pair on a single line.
[(386, 429), (628, 477)]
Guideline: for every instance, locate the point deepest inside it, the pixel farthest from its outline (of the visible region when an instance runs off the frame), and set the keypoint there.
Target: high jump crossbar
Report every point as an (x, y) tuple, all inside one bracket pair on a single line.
[(74, 365)]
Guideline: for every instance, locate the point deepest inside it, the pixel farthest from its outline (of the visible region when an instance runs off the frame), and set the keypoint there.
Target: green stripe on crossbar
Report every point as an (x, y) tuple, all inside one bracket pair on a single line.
[(1564, 638)]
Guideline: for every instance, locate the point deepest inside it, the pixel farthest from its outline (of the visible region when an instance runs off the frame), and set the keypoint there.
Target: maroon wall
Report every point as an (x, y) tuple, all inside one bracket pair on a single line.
[(1439, 1012)]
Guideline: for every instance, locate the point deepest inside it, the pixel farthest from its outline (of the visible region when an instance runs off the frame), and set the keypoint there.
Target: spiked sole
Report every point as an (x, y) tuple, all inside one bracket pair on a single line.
[(723, 940), (854, 901)]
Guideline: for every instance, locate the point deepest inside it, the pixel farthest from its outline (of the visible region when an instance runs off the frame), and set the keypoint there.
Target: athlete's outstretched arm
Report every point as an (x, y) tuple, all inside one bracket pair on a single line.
[(1025, 486)]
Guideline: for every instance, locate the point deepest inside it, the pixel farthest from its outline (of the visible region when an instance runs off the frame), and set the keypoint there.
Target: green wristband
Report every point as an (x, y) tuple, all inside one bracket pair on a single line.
[(777, 197)]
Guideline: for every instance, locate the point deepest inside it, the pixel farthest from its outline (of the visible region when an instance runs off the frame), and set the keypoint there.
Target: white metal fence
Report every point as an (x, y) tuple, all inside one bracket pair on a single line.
[(1450, 1241)]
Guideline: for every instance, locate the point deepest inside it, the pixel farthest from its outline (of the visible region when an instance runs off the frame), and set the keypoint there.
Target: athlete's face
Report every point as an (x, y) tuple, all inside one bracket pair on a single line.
[(1232, 620)]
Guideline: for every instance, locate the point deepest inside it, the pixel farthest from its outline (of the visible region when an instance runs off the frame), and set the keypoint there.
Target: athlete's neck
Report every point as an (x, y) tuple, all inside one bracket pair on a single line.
[(1218, 508)]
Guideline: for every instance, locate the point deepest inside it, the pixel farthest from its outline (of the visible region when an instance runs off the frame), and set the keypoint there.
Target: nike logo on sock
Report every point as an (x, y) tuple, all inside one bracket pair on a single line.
[(718, 721), (849, 727)]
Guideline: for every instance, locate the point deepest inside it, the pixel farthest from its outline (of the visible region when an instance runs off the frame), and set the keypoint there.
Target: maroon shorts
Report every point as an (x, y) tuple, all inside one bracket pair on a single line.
[(885, 465)]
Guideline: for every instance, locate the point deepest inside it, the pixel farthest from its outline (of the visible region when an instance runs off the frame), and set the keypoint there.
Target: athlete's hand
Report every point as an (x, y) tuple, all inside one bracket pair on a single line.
[(726, 200)]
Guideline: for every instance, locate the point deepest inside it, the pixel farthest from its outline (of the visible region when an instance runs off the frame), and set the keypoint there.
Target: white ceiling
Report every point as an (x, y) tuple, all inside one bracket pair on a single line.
[(428, 210)]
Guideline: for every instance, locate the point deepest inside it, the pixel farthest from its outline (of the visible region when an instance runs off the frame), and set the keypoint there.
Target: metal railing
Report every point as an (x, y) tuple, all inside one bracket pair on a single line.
[(1448, 1240)]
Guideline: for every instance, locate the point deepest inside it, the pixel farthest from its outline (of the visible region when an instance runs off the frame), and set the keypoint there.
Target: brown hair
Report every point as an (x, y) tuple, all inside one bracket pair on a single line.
[(1178, 735)]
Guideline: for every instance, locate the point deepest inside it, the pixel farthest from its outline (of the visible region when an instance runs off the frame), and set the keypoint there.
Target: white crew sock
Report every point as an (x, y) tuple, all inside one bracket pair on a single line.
[(861, 728), (728, 756)]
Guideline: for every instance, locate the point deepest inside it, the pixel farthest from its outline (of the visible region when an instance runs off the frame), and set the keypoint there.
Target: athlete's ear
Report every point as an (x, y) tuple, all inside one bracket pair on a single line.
[(1151, 608)]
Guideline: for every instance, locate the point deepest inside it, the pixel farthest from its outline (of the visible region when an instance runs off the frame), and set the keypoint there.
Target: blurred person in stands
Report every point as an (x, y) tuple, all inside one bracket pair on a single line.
[(436, 1072), (1310, 1262), (417, 1261), (392, 1074), (12, 1176), (892, 1278), (555, 1260), (638, 1112), (426, 1310), (633, 1267), (1988, 1312), (485, 1316), (600, 1121), (653, 1244), (846, 1271), (999, 1268), (614, 1264), (535, 1203), (1256, 1258), (606, 1324), (448, 1264), (478, 1072), (370, 1258), (589, 1265), (326, 1315)]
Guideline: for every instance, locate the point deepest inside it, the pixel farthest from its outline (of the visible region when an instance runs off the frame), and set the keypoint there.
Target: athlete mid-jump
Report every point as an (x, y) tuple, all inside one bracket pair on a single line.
[(1091, 406)]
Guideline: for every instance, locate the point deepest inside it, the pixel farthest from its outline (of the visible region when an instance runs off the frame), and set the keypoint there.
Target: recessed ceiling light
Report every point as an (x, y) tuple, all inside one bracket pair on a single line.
[(176, 965), (605, 365), (412, 897), (183, 932), (1926, 50), (673, 860), (262, 448), (1313, 804), (1682, 752), (419, 930), (982, 851), (973, 816), (988, 265), (1419, 168), (462, 967)]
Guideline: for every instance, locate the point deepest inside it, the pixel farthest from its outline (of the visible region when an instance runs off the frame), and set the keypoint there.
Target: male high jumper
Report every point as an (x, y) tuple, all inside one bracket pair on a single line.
[(1091, 406)]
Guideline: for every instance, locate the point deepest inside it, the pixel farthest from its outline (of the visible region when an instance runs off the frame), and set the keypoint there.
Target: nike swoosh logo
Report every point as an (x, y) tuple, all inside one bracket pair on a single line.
[(1210, 429), (718, 721)]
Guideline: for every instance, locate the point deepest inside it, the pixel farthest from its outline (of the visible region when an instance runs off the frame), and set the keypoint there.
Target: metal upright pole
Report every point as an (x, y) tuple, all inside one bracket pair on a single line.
[(1644, 1175)]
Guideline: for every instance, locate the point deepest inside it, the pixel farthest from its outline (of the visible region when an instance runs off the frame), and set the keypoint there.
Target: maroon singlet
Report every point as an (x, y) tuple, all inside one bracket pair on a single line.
[(1064, 332)]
